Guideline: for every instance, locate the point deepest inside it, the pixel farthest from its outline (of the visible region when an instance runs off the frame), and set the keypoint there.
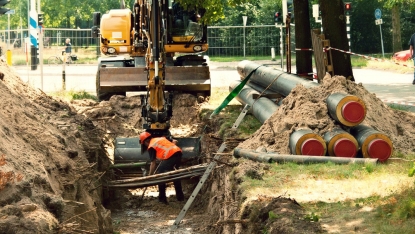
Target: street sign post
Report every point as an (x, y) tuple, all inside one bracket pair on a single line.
[(379, 21), (378, 14), (9, 12)]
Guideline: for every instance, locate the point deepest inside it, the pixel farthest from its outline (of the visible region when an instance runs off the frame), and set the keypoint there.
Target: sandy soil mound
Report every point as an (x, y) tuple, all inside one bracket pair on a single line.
[(50, 164)]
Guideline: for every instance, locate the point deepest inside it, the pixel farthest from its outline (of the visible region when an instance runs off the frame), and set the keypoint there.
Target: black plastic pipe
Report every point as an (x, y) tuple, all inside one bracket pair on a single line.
[(262, 108), (281, 158)]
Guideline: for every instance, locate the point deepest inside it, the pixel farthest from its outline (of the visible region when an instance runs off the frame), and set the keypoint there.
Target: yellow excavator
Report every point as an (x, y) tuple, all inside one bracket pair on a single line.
[(155, 48)]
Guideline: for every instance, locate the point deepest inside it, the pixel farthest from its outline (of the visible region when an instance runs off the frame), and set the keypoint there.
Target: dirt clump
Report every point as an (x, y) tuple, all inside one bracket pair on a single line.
[(278, 215)]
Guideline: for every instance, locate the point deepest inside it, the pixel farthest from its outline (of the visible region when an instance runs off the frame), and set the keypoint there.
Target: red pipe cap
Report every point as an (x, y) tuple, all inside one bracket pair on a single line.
[(353, 112), (312, 147), (379, 149), (344, 147)]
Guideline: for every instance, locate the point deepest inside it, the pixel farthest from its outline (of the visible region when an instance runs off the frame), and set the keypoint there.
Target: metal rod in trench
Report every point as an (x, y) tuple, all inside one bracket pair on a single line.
[(209, 169)]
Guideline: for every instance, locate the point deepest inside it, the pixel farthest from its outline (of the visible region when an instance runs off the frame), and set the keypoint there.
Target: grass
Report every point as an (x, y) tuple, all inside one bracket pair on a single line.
[(399, 107), (73, 95), (371, 198), (343, 198)]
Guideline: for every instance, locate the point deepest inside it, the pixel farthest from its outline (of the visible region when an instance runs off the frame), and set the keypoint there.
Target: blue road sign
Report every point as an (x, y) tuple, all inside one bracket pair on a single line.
[(378, 14)]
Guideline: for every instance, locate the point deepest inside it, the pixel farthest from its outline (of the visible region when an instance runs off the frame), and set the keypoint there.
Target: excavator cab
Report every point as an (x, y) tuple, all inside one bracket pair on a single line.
[(124, 35)]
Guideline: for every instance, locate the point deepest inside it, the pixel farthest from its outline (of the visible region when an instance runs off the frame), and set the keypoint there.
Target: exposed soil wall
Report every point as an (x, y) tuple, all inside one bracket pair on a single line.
[(51, 166)]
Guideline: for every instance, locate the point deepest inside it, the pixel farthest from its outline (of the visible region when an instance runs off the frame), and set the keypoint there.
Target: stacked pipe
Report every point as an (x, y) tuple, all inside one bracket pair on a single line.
[(302, 142), (348, 110)]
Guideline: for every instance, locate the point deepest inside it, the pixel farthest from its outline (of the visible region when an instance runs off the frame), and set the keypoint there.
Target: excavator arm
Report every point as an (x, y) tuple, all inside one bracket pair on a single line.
[(156, 48), (157, 108)]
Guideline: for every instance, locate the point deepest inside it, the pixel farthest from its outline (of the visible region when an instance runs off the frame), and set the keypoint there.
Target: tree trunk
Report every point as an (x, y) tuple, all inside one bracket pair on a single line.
[(303, 38), (334, 29), (396, 27)]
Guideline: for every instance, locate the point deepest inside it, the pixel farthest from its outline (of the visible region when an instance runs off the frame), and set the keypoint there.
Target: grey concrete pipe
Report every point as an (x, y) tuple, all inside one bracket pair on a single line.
[(347, 109), (262, 109), (373, 144), (281, 158)]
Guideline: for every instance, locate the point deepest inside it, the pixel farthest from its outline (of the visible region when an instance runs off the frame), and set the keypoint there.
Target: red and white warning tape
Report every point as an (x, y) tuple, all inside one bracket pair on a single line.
[(360, 55), (371, 58)]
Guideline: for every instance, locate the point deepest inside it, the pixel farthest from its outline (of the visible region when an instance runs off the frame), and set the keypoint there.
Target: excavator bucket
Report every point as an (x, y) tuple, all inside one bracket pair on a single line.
[(114, 77), (128, 150)]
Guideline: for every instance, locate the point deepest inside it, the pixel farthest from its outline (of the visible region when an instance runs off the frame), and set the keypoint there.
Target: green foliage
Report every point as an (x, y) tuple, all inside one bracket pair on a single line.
[(399, 107), (227, 118), (74, 95), (312, 217), (369, 168), (215, 9), (272, 216), (412, 170)]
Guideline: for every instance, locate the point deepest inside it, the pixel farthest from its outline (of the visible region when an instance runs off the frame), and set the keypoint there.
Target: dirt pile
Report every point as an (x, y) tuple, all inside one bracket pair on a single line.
[(306, 108), (51, 164)]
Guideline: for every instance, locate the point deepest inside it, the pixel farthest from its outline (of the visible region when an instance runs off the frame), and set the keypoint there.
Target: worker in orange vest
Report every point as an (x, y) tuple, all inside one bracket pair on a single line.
[(170, 156)]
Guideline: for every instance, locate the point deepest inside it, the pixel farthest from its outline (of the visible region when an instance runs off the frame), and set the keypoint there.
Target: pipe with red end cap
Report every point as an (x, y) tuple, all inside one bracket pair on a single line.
[(347, 109), (372, 143), (341, 143), (305, 142)]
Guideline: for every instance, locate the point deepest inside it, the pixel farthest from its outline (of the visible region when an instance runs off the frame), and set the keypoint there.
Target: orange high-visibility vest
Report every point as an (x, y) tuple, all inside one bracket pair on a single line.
[(163, 147)]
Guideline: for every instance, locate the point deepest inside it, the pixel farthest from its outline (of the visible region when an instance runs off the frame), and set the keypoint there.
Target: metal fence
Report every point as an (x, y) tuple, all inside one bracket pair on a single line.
[(224, 41), (243, 41), (51, 37)]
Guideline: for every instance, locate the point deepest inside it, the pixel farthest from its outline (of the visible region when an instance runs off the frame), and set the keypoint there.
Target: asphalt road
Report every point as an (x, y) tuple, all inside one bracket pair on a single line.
[(388, 86)]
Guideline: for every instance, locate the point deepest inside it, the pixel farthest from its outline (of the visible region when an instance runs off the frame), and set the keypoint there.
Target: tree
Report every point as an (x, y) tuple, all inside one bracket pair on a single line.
[(214, 8), (395, 7), (303, 36), (334, 29)]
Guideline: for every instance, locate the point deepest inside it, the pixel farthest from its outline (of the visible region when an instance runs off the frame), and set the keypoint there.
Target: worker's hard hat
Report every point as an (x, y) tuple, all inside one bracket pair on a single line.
[(144, 136)]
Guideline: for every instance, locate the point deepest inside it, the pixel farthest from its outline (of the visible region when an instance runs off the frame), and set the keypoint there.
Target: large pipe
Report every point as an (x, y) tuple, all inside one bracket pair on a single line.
[(262, 108), (372, 143), (341, 143), (281, 158), (306, 142), (302, 142), (128, 150), (349, 110), (278, 81), (346, 109)]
